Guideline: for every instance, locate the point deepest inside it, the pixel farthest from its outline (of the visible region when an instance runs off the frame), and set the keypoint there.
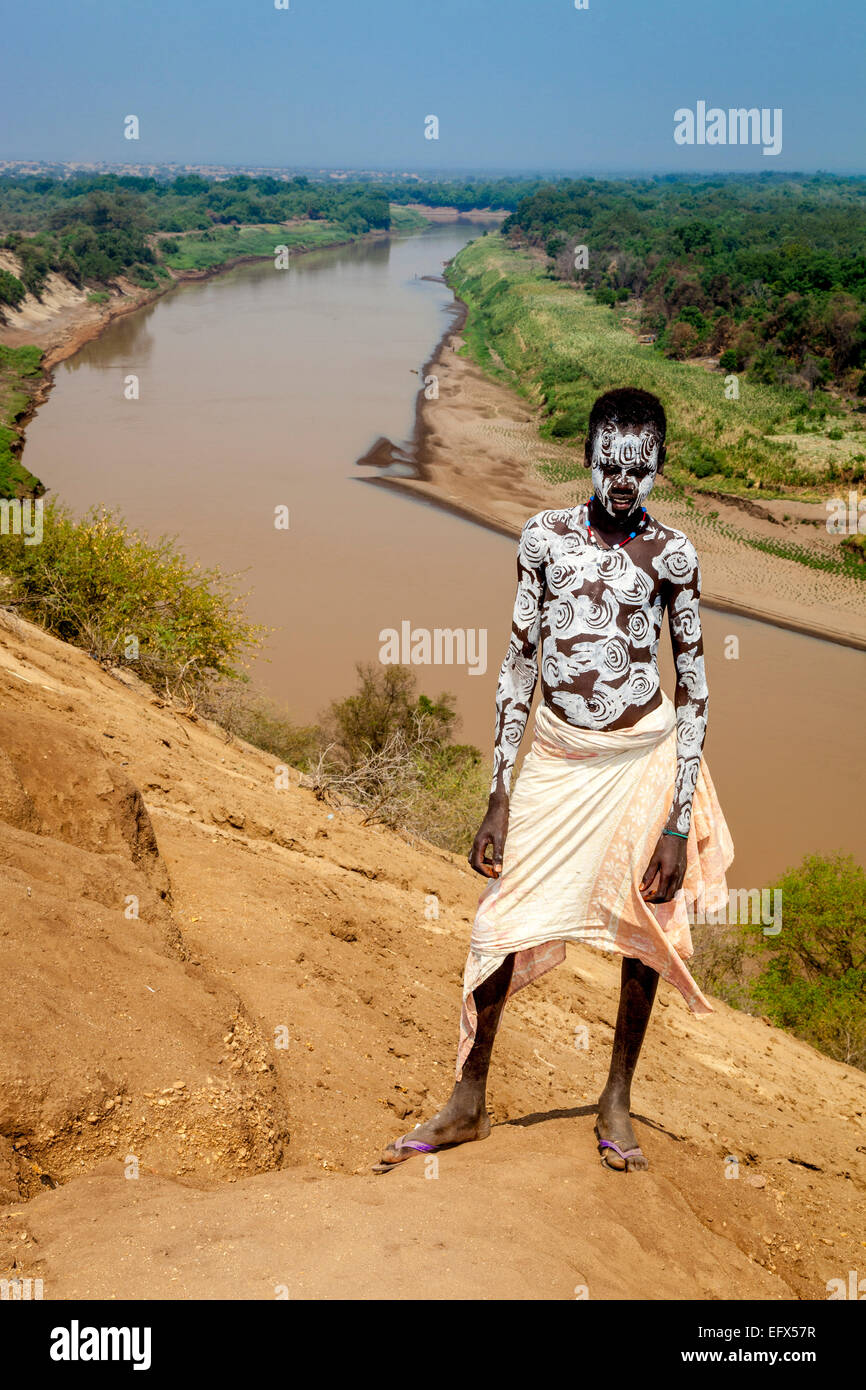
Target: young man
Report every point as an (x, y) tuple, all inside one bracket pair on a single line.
[(614, 822)]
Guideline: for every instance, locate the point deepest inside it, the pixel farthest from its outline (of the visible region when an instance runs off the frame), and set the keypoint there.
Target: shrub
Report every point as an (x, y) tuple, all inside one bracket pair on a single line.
[(812, 977), (11, 289), (390, 753), (96, 584), (251, 716), (855, 546)]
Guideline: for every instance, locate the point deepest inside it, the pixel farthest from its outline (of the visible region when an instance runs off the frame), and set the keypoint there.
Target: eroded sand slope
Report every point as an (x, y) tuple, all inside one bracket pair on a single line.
[(281, 1005)]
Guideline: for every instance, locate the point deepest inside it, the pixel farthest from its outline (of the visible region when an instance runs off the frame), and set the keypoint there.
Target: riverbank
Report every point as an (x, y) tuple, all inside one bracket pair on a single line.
[(476, 450), (493, 216)]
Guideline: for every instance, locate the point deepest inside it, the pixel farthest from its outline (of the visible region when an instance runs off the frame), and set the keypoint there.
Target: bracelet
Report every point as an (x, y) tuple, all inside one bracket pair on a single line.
[(675, 832)]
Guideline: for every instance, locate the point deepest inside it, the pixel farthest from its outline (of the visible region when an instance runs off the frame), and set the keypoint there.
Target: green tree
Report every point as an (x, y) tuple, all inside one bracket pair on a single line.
[(812, 976), (11, 289), (383, 705)]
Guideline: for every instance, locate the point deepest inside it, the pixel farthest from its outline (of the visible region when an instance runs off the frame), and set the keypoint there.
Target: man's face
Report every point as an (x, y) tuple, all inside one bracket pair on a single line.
[(624, 467)]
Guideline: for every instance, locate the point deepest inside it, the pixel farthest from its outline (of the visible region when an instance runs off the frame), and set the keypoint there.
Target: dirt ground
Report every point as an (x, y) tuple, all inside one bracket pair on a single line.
[(222, 996)]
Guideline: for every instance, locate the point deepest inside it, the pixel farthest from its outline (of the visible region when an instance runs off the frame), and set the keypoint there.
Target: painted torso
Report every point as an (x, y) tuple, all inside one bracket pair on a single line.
[(601, 615), (589, 616)]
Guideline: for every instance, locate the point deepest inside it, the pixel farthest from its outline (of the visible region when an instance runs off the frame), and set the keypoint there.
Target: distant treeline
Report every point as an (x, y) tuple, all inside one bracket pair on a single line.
[(767, 272), (463, 194), (93, 228)]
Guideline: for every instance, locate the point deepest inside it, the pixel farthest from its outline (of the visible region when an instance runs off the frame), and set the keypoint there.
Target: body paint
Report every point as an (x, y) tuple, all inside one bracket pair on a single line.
[(591, 617), (624, 459)]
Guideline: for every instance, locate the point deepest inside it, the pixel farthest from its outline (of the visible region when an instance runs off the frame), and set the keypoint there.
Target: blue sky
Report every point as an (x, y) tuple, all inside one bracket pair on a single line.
[(515, 84)]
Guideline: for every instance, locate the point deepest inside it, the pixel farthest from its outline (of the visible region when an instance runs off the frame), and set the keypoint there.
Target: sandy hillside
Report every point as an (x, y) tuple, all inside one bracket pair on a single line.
[(280, 1006)]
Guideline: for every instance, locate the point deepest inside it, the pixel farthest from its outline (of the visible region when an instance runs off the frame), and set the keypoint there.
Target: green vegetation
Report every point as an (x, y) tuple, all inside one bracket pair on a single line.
[(128, 601), (12, 291), (561, 470), (463, 194), (810, 978), (855, 546), (553, 342), (201, 250), (406, 219), (386, 749), (92, 228), (390, 752), (847, 560), (768, 271), (20, 368)]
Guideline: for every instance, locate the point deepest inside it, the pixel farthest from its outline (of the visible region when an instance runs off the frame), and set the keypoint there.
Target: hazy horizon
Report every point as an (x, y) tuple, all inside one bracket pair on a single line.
[(517, 86), (456, 172)]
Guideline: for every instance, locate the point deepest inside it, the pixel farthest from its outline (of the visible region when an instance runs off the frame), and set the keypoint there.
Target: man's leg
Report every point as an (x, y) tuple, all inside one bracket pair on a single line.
[(637, 992), (464, 1115)]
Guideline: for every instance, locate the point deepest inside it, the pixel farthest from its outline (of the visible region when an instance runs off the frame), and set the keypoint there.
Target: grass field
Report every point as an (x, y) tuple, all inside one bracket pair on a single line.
[(202, 250), (406, 219), (560, 349), (19, 372)]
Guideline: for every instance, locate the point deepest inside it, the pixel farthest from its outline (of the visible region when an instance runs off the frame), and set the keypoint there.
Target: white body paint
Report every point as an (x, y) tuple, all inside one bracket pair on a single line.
[(594, 615)]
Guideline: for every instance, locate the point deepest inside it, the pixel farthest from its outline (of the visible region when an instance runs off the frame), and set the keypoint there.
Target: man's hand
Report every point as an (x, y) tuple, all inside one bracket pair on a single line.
[(492, 832), (667, 868)]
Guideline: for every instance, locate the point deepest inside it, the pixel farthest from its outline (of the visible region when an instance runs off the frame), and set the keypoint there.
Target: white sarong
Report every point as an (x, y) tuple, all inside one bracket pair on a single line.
[(585, 816)]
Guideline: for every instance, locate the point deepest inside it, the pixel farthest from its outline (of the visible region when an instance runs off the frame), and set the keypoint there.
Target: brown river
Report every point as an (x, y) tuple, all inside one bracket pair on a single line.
[(259, 389)]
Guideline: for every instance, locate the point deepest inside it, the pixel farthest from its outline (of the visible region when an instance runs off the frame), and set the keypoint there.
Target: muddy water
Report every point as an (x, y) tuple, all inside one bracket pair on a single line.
[(259, 389)]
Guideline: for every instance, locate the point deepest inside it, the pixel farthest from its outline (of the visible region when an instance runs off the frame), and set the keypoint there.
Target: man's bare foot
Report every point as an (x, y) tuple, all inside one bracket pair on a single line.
[(614, 1125), (454, 1124)]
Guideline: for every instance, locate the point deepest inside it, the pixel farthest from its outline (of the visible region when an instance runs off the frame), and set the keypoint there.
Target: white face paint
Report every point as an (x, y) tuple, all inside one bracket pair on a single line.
[(624, 462)]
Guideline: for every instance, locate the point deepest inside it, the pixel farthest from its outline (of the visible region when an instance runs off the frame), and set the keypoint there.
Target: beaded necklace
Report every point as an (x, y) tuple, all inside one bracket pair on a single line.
[(617, 544)]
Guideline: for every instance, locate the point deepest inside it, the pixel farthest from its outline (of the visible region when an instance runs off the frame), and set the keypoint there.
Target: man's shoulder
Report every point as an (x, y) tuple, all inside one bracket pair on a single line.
[(550, 518), (670, 534), (550, 522), (676, 557)]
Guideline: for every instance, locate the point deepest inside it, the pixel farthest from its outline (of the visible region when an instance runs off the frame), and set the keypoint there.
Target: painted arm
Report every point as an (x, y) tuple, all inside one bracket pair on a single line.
[(519, 671), (692, 695)]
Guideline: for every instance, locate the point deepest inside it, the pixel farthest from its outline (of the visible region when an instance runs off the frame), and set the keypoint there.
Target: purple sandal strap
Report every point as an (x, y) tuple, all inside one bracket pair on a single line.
[(623, 1153), (407, 1143)]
